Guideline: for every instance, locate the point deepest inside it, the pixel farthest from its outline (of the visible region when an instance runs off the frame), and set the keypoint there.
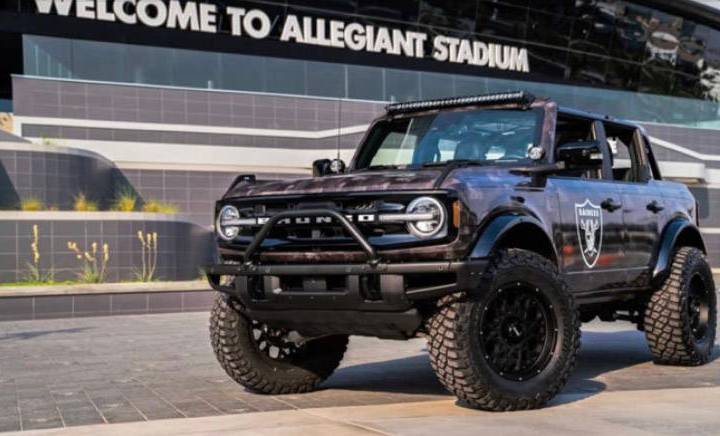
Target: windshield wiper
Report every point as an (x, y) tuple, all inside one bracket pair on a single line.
[(382, 167), (453, 162)]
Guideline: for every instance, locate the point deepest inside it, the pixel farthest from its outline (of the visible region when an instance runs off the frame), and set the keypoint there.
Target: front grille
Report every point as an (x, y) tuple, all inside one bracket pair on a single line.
[(318, 233)]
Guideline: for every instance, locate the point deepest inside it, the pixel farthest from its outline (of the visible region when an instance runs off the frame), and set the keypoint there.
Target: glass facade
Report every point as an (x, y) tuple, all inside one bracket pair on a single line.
[(616, 57)]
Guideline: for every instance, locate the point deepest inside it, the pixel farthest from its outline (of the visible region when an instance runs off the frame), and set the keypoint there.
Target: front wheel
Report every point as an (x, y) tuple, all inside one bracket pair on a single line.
[(268, 360), (513, 345)]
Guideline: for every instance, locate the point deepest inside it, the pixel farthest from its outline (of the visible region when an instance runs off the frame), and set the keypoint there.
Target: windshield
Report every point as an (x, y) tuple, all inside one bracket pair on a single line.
[(477, 135)]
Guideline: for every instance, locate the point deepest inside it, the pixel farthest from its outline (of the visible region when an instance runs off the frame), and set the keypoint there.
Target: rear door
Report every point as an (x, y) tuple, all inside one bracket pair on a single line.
[(644, 209)]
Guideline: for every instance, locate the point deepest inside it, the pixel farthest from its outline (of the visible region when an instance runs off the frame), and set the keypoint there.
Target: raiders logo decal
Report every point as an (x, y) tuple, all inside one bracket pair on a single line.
[(588, 218)]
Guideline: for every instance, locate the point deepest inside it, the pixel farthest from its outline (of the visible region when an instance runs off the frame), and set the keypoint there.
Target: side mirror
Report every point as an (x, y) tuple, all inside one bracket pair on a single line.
[(580, 154), (327, 167)]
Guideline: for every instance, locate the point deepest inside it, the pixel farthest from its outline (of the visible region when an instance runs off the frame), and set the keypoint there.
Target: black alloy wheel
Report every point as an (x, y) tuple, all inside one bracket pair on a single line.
[(270, 360), (275, 344), (512, 343), (699, 300), (518, 332), (681, 317)]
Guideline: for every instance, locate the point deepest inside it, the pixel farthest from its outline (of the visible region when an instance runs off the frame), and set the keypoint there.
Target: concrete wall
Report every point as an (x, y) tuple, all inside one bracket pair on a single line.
[(53, 175), (183, 247)]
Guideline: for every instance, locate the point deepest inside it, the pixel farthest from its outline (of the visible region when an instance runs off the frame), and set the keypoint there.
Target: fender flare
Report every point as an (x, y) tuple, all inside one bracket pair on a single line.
[(677, 230), (501, 226)]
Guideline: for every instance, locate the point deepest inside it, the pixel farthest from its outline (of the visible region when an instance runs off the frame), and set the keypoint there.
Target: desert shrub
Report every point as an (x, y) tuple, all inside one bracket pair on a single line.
[(32, 204), (125, 201), (157, 206), (83, 204), (93, 261)]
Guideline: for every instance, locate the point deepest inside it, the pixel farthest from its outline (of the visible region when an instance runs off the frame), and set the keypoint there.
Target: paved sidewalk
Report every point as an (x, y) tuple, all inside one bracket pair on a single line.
[(85, 371), (664, 411)]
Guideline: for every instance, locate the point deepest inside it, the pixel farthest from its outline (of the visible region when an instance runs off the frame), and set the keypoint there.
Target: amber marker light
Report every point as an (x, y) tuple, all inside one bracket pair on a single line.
[(456, 214)]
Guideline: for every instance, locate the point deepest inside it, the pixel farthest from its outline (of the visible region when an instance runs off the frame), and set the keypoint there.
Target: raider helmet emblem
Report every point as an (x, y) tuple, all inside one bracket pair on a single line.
[(588, 218)]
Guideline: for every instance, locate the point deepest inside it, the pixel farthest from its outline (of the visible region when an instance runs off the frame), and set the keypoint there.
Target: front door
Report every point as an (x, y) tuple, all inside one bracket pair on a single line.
[(592, 233), (591, 213)]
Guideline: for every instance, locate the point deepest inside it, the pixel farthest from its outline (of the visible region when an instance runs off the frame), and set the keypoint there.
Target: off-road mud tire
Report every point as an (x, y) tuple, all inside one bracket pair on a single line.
[(239, 355), (453, 338), (668, 325)]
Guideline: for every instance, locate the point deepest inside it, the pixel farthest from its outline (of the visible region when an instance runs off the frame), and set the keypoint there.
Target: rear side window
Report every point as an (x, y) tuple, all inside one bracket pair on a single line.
[(629, 162)]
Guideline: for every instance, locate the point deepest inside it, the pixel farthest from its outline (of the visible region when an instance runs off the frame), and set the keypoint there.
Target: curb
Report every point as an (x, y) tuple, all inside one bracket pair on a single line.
[(103, 288), (73, 301)]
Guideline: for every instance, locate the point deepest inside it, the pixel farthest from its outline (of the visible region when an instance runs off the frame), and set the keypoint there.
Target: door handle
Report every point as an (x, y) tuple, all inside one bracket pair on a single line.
[(610, 205), (655, 206)]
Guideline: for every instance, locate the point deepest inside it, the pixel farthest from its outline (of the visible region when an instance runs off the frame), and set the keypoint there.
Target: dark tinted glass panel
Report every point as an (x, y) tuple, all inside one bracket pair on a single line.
[(551, 29), (145, 65), (630, 39), (656, 79), (454, 14), (243, 72), (402, 85), (93, 61), (285, 76), (196, 69), (552, 62), (502, 20), (595, 24), (436, 85), (50, 57), (365, 83), (469, 85), (621, 74), (587, 63), (325, 79), (10, 5), (401, 10), (328, 5)]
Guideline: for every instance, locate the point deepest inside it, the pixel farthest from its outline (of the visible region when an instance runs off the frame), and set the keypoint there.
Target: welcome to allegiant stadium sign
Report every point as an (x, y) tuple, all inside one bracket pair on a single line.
[(256, 23)]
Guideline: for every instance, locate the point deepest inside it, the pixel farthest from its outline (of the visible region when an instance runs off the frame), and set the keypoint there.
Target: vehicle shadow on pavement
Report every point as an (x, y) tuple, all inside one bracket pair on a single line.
[(36, 334), (617, 360)]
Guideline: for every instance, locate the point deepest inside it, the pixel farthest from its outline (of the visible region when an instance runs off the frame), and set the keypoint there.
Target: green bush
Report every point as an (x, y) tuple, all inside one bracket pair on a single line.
[(157, 206), (32, 204), (126, 201), (83, 204)]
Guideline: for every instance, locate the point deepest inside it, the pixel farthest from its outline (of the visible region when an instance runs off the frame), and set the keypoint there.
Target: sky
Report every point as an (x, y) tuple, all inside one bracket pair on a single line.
[(713, 3)]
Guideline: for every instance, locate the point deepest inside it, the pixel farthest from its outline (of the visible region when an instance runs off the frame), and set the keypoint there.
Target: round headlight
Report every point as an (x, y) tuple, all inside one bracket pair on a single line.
[(427, 206), (226, 224)]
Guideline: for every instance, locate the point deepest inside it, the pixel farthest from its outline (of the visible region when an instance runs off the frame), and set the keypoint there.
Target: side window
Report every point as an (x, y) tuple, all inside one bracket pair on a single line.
[(629, 163), (573, 129)]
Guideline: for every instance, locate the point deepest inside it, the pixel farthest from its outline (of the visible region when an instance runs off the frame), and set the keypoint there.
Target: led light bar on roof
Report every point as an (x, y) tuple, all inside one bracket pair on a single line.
[(519, 97)]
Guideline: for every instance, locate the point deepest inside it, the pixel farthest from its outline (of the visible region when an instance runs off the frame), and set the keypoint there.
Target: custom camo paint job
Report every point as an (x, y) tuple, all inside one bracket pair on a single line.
[(490, 191)]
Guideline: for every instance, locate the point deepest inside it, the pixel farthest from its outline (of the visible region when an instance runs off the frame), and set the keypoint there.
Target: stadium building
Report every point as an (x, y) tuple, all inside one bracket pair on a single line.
[(175, 98)]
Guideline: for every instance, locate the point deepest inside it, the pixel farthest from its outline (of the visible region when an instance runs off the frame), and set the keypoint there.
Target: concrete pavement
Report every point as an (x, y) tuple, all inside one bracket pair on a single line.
[(664, 411), (158, 371)]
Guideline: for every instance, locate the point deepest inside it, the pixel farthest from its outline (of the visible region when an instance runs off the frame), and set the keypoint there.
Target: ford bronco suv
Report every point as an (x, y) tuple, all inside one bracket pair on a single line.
[(492, 225)]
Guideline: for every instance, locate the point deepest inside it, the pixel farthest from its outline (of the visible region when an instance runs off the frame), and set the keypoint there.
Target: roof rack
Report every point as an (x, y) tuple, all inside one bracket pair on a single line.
[(519, 97)]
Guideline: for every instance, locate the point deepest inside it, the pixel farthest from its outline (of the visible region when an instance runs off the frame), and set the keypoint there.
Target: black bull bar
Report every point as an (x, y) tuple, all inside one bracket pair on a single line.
[(371, 286)]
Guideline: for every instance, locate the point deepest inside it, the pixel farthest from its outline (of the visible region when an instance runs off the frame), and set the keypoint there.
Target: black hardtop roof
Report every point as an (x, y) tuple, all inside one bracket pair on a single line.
[(599, 117), (520, 99)]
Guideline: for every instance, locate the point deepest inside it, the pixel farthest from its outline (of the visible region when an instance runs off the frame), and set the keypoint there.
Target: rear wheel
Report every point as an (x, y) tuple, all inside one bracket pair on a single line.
[(513, 345), (681, 317), (268, 360)]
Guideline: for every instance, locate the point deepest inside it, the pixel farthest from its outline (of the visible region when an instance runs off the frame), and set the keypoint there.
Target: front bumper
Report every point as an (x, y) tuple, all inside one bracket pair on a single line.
[(379, 287), (374, 298), (360, 299)]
